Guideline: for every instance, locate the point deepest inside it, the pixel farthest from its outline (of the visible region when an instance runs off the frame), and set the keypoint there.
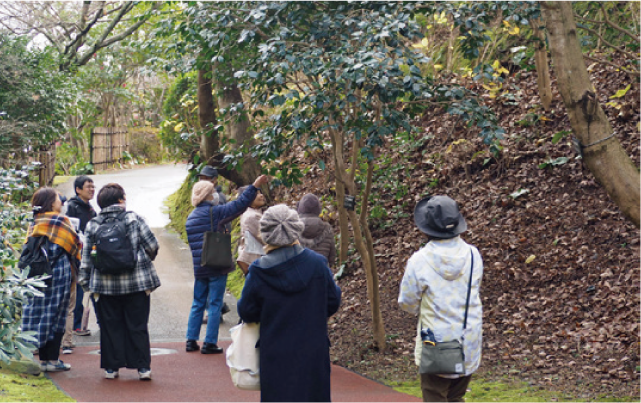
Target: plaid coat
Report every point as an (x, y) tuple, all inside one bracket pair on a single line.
[(142, 278), (47, 315)]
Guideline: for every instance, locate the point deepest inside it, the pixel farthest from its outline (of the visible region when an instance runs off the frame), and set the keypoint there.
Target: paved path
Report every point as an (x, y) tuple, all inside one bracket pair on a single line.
[(178, 376)]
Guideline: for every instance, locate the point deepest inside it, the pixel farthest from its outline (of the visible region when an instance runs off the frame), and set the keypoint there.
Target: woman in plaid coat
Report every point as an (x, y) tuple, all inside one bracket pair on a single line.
[(122, 300), (46, 315)]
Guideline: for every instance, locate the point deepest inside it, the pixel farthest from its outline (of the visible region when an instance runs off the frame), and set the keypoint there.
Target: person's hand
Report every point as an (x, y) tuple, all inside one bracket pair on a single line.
[(261, 180)]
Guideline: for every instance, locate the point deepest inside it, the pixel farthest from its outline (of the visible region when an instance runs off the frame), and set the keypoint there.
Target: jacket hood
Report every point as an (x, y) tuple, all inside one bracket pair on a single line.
[(284, 269), (448, 258)]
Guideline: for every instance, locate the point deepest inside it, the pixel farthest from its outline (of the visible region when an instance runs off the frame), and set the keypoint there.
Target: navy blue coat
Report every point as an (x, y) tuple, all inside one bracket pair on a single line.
[(292, 301), (198, 222)]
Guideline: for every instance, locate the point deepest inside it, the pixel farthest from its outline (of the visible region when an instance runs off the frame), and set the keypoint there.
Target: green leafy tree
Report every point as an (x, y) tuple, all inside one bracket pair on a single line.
[(34, 98), (340, 77), (16, 188)]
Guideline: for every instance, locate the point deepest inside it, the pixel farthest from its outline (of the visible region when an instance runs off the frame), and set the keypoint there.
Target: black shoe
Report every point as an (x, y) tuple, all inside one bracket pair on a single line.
[(192, 345), (211, 348), (224, 309)]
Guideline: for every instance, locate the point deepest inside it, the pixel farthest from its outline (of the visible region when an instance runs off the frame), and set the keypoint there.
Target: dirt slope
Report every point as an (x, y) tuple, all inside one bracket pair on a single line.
[(561, 282)]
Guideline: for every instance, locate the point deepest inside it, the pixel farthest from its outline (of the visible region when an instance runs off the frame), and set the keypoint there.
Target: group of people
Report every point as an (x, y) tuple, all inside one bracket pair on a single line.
[(121, 301), (286, 256)]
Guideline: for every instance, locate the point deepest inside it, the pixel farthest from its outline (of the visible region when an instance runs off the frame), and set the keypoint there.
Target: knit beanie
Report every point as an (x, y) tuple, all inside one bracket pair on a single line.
[(201, 190), (309, 204), (280, 225)]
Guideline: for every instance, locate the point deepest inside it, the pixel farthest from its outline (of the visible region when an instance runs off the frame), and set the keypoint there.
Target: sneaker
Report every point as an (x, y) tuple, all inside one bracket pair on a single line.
[(81, 332), (57, 366), (144, 374), (43, 366), (111, 373), (67, 350)]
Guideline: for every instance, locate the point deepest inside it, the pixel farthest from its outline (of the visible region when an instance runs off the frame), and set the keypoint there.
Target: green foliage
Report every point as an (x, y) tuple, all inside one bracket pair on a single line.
[(70, 161), (179, 129), (33, 98), (330, 66), (16, 187)]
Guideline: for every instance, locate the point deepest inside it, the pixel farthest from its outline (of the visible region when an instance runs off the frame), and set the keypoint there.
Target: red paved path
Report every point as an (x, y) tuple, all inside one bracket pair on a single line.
[(192, 377)]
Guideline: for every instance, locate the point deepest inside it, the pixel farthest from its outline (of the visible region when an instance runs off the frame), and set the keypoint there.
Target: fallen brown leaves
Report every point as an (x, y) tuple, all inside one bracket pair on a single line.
[(561, 283)]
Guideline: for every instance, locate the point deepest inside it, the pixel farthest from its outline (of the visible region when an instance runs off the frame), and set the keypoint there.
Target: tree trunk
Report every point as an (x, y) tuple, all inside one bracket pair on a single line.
[(602, 153), (542, 68), (237, 128), (206, 116), (343, 223), (369, 265)]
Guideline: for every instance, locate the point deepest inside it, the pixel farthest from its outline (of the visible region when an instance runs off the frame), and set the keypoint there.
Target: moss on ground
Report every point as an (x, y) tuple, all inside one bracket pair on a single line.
[(481, 390), (15, 387)]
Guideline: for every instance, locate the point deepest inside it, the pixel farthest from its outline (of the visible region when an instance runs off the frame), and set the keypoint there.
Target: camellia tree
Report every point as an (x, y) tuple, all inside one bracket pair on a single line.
[(339, 77)]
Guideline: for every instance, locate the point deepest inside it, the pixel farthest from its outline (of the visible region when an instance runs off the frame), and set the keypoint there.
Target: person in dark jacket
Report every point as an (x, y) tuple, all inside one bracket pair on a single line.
[(209, 283), (318, 235), (291, 292), (210, 174), (78, 207)]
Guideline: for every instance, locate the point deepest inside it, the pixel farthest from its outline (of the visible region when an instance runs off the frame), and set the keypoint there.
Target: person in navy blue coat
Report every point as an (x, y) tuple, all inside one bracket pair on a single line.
[(209, 283), (291, 292)]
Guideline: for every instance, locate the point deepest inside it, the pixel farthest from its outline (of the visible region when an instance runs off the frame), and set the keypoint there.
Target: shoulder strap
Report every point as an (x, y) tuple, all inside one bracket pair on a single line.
[(211, 217), (469, 289)]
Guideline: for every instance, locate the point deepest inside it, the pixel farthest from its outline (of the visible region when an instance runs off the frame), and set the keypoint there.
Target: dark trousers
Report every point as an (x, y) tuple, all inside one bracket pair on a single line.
[(124, 334), (51, 350), (79, 310), (439, 389)]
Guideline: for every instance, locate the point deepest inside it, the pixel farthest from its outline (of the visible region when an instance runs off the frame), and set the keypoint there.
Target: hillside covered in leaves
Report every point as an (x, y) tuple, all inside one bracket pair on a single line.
[(560, 289)]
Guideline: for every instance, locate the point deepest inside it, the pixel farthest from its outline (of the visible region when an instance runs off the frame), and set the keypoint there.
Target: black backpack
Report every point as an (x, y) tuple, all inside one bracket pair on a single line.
[(35, 256), (114, 253)]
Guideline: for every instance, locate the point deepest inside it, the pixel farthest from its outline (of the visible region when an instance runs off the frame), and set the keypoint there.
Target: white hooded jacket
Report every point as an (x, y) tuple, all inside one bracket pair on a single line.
[(435, 288)]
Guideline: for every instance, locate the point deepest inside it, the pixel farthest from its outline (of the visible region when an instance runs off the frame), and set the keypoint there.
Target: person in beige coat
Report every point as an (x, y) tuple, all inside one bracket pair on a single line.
[(251, 244)]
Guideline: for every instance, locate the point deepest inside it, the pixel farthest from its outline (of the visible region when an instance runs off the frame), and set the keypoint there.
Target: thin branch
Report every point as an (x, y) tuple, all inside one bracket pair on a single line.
[(620, 49), (633, 73)]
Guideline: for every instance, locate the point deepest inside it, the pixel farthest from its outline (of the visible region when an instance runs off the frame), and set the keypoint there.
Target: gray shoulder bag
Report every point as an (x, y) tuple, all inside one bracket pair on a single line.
[(446, 357)]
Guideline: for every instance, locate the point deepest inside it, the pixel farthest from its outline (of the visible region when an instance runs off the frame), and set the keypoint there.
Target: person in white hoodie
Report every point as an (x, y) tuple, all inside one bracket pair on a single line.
[(435, 287)]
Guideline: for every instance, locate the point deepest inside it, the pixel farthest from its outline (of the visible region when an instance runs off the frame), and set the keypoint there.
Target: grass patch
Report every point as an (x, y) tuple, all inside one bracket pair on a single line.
[(481, 390), (60, 179), (15, 387)]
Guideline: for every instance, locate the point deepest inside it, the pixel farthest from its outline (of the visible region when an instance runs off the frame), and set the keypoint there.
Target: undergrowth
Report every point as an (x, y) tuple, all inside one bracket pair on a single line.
[(482, 390)]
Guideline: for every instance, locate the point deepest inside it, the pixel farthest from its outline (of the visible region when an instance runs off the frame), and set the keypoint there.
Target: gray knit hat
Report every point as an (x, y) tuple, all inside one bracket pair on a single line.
[(280, 225)]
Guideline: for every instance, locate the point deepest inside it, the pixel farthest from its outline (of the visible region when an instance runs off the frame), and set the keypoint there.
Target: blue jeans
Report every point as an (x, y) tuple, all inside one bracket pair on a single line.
[(206, 290)]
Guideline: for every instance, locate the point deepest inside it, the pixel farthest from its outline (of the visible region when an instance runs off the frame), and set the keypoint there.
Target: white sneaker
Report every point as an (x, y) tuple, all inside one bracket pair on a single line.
[(144, 374), (111, 373), (67, 350)]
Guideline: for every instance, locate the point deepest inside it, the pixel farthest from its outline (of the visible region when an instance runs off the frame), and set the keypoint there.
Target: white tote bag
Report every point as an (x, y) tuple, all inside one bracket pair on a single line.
[(242, 356)]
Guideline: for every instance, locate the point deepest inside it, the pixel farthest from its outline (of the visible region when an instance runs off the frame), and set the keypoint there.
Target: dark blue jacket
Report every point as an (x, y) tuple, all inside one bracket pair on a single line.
[(198, 222), (291, 292)]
